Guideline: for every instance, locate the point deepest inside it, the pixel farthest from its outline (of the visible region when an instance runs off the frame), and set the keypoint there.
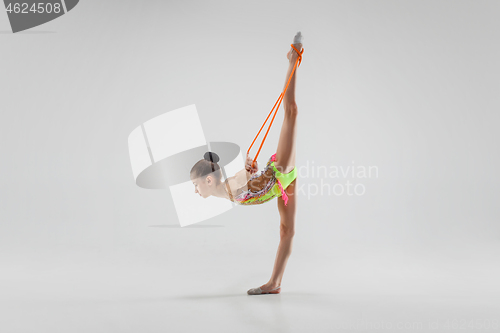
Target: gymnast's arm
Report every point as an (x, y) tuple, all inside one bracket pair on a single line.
[(241, 178)]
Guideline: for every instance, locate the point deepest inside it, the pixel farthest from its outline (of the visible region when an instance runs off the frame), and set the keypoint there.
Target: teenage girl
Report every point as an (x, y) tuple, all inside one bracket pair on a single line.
[(278, 179)]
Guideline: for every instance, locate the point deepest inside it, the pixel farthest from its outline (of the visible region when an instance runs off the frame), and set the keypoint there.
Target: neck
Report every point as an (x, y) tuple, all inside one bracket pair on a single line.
[(220, 191)]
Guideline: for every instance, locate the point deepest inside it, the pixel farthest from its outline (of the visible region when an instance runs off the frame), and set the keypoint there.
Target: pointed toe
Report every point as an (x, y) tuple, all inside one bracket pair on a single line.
[(254, 291)]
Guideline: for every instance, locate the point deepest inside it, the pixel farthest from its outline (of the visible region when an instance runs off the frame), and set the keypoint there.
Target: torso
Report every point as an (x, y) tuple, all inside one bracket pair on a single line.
[(260, 188), (230, 185)]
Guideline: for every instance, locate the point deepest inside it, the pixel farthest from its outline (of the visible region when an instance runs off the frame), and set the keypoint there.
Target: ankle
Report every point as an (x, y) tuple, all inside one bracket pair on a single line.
[(273, 285), (298, 47)]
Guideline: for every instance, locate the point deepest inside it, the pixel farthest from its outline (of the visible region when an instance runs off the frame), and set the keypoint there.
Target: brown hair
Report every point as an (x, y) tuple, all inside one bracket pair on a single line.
[(208, 165)]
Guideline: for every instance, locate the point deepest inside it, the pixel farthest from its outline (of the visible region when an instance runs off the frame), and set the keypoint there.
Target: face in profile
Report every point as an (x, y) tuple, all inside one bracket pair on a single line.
[(203, 186)]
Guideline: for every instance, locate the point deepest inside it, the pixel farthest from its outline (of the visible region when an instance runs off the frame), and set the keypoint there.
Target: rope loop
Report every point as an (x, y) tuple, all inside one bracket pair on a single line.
[(299, 60)]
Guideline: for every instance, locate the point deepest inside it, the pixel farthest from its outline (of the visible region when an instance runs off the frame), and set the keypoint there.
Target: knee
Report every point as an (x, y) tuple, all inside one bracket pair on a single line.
[(286, 232), (291, 110)]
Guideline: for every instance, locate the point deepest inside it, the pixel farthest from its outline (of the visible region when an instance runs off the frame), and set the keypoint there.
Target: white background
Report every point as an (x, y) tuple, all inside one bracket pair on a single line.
[(408, 86)]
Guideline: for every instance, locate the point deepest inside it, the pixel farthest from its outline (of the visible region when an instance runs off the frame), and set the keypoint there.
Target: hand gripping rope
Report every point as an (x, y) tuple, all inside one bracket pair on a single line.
[(299, 60)]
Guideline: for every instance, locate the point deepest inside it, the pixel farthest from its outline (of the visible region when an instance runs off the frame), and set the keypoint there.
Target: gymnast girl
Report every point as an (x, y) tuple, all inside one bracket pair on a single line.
[(278, 179)]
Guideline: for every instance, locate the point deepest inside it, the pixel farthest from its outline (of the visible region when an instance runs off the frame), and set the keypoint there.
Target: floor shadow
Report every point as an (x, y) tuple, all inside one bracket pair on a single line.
[(244, 294)]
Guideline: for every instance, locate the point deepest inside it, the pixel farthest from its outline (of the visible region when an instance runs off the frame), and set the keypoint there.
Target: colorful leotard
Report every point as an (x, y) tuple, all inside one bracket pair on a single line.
[(270, 183)]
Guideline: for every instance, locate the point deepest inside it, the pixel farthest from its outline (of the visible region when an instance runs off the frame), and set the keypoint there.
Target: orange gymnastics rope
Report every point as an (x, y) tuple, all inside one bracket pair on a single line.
[(299, 60)]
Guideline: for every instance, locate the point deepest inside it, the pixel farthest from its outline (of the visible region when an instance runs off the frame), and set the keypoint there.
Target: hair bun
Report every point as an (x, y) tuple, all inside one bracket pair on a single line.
[(211, 157)]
